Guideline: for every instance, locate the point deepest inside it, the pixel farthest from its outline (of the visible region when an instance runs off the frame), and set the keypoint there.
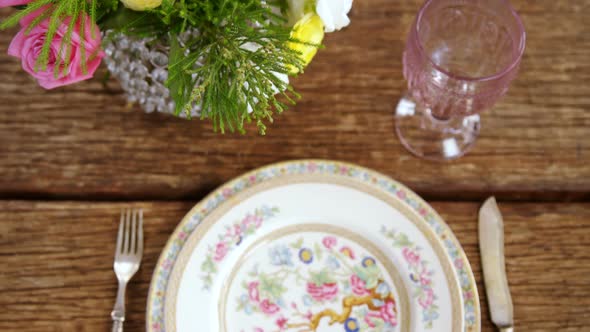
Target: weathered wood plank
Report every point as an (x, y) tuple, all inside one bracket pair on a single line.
[(83, 142), (56, 260)]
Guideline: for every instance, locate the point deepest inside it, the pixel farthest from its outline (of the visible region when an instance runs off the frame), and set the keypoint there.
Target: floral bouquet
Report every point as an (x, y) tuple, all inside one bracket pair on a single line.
[(224, 60)]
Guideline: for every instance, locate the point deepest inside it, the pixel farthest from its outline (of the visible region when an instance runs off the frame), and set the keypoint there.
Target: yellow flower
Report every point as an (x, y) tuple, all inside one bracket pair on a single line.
[(141, 5), (309, 29)]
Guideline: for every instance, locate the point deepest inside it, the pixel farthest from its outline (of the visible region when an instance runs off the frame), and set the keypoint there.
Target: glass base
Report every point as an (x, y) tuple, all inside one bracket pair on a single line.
[(431, 138)]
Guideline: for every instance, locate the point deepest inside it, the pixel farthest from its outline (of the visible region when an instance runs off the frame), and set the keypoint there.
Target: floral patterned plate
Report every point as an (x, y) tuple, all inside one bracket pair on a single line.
[(313, 246)]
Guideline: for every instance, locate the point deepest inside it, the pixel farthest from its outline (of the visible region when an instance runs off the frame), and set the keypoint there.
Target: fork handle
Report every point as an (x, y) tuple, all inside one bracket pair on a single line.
[(118, 317), (117, 326)]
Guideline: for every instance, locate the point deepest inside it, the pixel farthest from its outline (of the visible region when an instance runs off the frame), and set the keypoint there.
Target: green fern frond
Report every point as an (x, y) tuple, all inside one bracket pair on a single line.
[(15, 18), (55, 21)]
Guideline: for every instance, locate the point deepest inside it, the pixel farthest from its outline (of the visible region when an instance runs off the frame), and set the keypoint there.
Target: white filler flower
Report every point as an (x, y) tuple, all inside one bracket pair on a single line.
[(334, 13)]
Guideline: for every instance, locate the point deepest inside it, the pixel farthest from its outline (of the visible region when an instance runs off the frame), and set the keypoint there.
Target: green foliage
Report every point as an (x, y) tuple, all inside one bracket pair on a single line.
[(241, 48), (321, 277), (122, 20), (317, 249), (370, 275), (231, 68), (271, 287), (297, 244)]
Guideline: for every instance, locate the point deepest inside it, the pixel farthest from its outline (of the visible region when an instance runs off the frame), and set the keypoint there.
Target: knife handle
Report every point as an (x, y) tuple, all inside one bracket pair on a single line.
[(507, 329)]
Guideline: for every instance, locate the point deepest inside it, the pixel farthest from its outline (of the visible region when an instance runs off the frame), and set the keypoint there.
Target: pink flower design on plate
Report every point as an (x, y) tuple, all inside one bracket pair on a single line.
[(412, 257), (459, 263), (268, 307), (221, 250), (347, 252), (425, 278), (369, 318), (426, 300), (423, 212), (252, 220), (388, 313), (329, 242), (253, 292), (237, 230), (282, 323), (358, 286), (325, 292)]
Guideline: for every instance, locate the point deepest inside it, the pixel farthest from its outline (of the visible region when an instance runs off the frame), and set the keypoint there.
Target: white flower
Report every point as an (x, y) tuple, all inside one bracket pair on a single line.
[(334, 13)]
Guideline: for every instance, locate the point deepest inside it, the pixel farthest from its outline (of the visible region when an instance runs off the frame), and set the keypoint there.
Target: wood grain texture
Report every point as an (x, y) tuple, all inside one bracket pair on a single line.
[(56, 260), (82, 142)]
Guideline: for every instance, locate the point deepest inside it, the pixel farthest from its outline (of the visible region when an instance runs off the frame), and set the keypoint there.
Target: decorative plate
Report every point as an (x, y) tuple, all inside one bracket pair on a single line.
[(313, 246)]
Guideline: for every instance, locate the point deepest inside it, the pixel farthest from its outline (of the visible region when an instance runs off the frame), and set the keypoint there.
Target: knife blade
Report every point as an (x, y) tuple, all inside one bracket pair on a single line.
[(491, 245)]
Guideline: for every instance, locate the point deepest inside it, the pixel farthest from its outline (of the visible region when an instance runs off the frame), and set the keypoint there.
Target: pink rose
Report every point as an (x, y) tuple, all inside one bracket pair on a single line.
[(269, 308), (411, 256), (27, 47), (358, 286), (8, 3), (253, 292), (329, 242), (221, 250), (388, 313), (325, 292), (426, 300)]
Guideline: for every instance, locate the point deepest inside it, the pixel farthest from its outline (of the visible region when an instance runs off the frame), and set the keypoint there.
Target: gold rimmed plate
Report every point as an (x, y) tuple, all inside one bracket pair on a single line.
[(313, 246)]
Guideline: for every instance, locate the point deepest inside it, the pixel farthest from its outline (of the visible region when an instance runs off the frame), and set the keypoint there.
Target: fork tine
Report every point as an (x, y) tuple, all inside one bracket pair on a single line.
[(133, 232), (120, 235), (127, 222), (140, 234)]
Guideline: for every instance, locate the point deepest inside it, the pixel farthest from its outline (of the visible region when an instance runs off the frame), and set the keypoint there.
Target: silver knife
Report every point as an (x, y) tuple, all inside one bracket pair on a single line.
[(491, 245)]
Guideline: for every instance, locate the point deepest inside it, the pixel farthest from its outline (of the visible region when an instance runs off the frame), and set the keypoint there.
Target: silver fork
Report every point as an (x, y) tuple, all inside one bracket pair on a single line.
[(127, 259)]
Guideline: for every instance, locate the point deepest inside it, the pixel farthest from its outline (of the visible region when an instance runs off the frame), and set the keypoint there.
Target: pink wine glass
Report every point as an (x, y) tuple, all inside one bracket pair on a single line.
[(460, 58)]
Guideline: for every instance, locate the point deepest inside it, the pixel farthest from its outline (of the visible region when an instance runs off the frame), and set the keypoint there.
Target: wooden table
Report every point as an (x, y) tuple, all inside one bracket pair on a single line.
[(72, 157)]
